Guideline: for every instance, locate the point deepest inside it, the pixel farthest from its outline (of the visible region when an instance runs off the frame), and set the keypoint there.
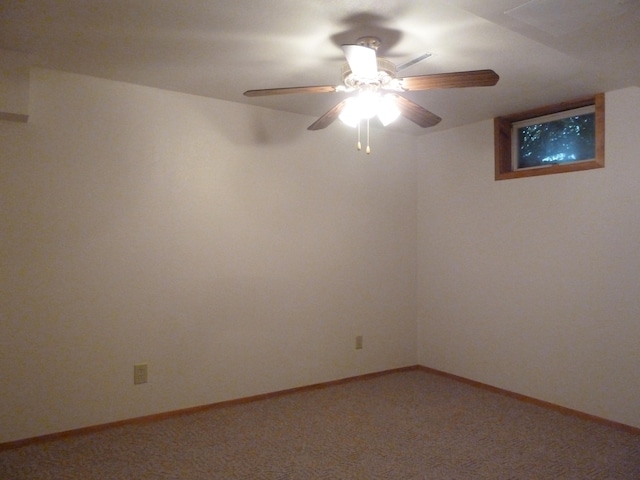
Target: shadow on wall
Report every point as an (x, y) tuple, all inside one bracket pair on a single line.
[(250, 125)]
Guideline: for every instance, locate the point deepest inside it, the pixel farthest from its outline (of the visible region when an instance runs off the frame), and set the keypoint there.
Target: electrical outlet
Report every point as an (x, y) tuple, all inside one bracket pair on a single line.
[(359, 342), (140, 373)]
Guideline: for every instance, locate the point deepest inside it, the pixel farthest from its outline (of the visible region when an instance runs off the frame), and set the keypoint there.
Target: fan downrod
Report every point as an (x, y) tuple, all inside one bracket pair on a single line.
[(371, 42)]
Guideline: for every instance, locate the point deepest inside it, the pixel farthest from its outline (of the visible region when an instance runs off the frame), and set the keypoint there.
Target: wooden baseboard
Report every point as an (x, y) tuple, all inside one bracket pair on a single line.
[(535, 401), (186, 411), (254, 398)]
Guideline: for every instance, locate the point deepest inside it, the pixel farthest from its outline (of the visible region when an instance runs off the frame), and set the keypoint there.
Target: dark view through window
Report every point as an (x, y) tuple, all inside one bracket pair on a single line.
[(566, 140)]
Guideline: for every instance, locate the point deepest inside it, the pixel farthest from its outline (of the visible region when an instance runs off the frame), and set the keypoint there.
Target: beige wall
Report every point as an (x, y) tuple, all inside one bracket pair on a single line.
[(226, 246), (533, 285), (236, 254)]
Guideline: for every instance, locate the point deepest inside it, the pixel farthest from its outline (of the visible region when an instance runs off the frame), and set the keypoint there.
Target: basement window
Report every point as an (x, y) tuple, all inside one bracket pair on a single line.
[(566, 137)]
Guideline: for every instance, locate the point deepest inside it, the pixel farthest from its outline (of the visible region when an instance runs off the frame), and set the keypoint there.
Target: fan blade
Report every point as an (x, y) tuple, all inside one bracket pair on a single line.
[(288, 90), (415, 112), (473, 78), (328, 118), (362, 60), (412, 62)]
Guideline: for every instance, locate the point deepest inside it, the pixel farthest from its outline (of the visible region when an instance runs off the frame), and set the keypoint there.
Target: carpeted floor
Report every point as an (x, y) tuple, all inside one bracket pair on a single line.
[(405, 425)]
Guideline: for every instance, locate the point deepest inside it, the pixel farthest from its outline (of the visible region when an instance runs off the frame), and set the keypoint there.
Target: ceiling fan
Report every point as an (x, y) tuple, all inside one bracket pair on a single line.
[(376, 90)]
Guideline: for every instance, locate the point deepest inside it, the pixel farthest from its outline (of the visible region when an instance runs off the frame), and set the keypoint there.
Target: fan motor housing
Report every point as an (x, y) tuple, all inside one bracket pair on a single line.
[(386, 72)]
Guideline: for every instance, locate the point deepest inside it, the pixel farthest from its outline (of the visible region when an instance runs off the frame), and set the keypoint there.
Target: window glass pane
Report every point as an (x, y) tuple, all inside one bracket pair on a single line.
[(566, 140)]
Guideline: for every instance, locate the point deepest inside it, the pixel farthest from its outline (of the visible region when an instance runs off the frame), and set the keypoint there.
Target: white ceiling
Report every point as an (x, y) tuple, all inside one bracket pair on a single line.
[(545, 51)]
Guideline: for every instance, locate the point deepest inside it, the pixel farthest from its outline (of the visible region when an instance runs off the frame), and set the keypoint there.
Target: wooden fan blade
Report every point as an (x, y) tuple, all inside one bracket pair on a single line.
[(288, 90), (415, 112), (328, 118), (472, 78)]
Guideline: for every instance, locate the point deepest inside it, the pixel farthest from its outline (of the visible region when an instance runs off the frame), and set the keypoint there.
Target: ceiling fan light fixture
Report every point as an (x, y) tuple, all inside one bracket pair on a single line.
[(349, 115), (365, 106), (388, 110), (368, 105), (362, 107), (370, 81)]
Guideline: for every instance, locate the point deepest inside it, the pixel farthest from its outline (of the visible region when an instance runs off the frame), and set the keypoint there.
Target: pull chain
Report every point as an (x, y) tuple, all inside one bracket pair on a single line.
[(368, 150), (359, 144)]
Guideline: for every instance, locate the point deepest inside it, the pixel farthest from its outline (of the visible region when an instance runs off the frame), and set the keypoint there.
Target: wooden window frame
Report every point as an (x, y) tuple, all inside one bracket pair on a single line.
[(502, 127)]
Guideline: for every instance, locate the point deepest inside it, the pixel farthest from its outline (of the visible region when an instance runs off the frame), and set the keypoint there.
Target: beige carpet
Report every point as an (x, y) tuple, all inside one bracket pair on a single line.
[(404, 425)]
